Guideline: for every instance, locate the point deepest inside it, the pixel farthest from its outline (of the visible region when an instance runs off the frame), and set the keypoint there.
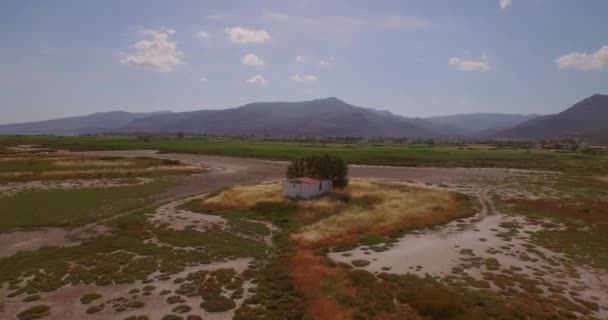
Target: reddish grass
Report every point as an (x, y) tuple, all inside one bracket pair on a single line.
[(327, 308), (311, 275), (591, 212)]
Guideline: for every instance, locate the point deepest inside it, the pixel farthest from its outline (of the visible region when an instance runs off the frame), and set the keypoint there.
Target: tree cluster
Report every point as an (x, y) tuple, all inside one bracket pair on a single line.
[(325, 166)]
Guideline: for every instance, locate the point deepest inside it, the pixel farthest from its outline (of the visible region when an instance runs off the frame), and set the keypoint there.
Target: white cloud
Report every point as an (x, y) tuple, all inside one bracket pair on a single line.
[(202, 35), (157, 52), (302, 59), (257, 79), (504, 4), (584, 61), (481, 65), (343, 24), (252, 60), (326, 62), (244, 35), (303, 78), (203, 79)]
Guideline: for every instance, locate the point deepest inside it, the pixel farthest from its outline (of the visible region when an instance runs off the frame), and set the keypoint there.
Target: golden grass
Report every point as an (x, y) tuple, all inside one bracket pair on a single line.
[(245, 197), (92, 163), (103, 173), (381, 208), (373, 207)]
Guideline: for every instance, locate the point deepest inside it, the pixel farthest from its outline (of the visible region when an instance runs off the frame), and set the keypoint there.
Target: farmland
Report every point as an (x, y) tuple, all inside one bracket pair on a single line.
[(204, 232), (417, 155)]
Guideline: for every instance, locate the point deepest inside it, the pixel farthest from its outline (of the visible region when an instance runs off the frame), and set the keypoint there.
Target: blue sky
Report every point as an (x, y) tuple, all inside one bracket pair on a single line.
[(414, 58)]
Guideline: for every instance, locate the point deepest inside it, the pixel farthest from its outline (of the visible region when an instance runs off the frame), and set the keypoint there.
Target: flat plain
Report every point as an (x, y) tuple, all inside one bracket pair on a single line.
[(200, 230)]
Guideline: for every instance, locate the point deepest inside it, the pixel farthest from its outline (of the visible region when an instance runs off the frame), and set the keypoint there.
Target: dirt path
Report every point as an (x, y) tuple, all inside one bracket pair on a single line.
[(227, 171)]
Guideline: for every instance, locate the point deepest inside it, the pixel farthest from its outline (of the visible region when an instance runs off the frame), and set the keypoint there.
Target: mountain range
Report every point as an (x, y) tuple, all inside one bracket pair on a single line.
[(333, 117)]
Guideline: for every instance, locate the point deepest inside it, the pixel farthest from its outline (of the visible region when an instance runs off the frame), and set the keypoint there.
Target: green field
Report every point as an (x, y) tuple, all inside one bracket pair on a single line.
[(76, 207), (421, 155)]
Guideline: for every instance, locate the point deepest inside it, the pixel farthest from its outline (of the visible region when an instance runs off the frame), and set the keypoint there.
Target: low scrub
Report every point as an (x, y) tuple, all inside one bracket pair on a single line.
[(35, 312)]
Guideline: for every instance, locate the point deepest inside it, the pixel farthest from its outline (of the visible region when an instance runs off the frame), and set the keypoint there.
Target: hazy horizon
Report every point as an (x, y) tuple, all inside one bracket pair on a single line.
[(415, 59)]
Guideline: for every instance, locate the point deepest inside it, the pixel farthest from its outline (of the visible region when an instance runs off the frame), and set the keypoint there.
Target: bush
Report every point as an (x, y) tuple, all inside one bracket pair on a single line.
[(31, 298), (137, 318), (360, 263), (94, 309), (326, 166), (35, 312), (371, 239), (89, 297), (218, 304)]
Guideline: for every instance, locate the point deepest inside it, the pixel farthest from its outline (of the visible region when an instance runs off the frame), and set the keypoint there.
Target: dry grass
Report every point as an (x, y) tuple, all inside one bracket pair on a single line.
[(315, 279), (372, 207), (245, 197), (103, 173), (381, 208), (92, 163)]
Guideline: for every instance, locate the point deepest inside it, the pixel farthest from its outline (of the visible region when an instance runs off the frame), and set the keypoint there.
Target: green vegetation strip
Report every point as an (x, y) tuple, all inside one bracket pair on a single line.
[(71, 208), (356, 153)]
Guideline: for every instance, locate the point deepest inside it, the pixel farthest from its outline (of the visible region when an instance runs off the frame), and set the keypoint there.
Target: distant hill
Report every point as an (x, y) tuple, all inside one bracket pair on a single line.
[(480, 123), (320, 117), (333, 117), (589, 118), (96, 122)]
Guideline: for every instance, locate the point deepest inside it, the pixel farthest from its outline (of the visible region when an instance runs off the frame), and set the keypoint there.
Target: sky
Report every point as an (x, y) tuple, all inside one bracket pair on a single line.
[(415, 58)]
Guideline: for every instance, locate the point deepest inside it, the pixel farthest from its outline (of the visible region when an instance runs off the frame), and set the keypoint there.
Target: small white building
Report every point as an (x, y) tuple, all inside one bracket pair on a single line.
[(306, 188)]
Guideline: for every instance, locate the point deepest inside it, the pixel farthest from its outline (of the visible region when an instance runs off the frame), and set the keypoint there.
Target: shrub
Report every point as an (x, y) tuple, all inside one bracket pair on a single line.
[(218, 304), (89, 297), (94, 309), (182, 309), (360, 263), (371, 239), (137, 318), (31, 298), (35, 312)]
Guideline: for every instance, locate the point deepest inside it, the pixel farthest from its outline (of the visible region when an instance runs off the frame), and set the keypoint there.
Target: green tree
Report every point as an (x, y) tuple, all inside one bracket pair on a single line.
[(324, 166)]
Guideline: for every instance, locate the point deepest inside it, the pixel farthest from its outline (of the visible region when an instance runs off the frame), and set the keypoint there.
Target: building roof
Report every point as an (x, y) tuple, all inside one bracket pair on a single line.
[(308, 180)]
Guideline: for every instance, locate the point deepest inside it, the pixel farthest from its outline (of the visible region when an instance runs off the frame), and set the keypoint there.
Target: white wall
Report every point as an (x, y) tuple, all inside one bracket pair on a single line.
[(305, 191)]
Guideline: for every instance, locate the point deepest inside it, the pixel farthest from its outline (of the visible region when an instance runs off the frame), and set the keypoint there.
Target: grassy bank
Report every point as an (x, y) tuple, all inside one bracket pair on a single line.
[(356, 153)]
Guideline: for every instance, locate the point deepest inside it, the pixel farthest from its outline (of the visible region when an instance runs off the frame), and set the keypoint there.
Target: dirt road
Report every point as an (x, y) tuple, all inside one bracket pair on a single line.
[(227, 171)]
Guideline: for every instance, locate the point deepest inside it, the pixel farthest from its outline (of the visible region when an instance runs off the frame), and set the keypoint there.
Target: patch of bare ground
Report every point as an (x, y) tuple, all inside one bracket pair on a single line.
[(175, 216), (13, 242), (175, 294), (12, 188), (74, 174)]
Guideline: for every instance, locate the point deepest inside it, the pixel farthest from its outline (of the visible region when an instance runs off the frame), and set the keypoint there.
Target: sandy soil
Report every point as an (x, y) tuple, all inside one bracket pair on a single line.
[(13, 242), (179, 219), (12, 188), (171, 216)]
